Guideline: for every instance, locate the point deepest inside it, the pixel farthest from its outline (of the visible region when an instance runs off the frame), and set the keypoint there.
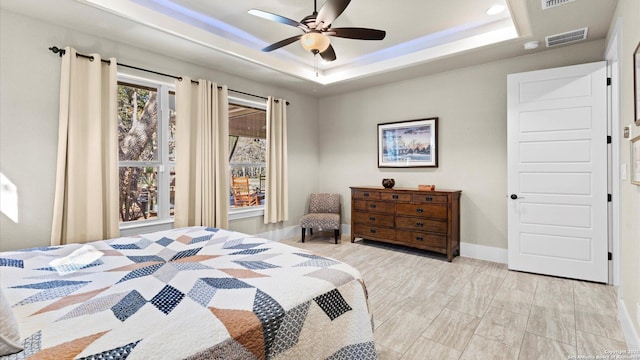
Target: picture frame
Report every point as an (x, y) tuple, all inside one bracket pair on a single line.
[(636, 84), (406, 144), (635, 160)]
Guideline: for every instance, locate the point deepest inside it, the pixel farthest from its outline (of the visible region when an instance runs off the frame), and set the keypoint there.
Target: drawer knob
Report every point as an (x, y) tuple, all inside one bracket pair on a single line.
[(372, 218), (373, 231), (419, 224), (419, 210), (428, 198), (394, 196), (373, 206), (419, 238), (366, 194)]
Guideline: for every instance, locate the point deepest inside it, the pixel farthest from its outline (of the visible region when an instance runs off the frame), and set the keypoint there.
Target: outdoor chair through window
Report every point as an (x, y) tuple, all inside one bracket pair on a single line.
[(242, 194)]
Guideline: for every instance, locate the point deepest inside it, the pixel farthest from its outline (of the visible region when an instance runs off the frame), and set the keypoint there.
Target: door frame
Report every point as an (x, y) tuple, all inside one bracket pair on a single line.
[(613, 56)]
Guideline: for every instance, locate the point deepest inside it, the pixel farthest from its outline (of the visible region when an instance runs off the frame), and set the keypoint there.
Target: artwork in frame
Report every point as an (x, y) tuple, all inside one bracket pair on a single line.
[(635, 160), (636, 84), (408, 143)]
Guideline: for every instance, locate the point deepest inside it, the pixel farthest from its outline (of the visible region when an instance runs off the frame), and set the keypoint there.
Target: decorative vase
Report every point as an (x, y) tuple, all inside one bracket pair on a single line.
[(388, 183)]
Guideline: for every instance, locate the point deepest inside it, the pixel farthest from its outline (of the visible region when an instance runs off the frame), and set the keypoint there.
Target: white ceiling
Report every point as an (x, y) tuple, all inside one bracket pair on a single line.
[(423, 36)]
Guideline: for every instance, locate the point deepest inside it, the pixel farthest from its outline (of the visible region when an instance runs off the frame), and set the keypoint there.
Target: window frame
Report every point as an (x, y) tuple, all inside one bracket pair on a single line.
[(252, 211), (162, 162)]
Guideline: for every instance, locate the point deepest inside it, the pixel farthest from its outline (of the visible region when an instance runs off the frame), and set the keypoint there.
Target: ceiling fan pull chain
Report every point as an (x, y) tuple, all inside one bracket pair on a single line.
[(315, 63)]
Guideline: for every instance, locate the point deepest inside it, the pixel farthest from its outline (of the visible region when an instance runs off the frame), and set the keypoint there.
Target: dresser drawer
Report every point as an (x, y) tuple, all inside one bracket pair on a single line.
[(395, 196), (420, 224), (422, 239), (365, 194), (429, 198), (373, 219), (426, 210), (372, 205), (427, 220), (369, 232)]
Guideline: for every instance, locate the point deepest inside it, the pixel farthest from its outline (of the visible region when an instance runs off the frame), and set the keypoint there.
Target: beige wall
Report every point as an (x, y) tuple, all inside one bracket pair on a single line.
[(628, 12), (472, 135), (470, 104), (29, 121)]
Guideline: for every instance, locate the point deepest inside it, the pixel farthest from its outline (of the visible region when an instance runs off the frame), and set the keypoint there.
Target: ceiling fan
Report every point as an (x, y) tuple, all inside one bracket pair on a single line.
[(316, 29)]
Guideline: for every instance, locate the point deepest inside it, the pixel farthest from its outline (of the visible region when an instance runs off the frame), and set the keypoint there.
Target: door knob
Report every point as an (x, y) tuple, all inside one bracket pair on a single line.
[(514, 197)]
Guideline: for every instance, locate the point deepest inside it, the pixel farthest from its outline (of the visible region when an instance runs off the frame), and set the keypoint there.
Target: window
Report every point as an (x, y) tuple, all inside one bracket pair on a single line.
[(247, 150), (146, 151)]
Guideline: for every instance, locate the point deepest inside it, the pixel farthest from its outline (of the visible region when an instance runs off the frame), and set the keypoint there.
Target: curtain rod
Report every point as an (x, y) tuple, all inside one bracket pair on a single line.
[(57, 50)]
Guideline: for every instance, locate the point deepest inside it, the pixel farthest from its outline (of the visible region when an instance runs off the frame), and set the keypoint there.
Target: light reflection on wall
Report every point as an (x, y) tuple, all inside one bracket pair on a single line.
[(8, 198)]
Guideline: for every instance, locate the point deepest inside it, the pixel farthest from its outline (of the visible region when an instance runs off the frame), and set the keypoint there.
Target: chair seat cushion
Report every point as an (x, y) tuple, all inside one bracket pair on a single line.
[(321, 221)]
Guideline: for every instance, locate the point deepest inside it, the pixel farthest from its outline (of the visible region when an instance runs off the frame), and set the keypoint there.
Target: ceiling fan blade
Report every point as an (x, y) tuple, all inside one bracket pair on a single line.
[(329, 54), (357, 33), (282, 43), (329, 12), (276, 18)]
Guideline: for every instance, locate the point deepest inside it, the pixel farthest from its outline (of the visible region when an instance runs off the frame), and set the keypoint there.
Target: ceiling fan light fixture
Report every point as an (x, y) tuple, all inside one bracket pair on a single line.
[(315, 42)]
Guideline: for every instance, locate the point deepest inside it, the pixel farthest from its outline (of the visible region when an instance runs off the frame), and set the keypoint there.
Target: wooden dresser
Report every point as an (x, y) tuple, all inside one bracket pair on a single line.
[(428, 220)]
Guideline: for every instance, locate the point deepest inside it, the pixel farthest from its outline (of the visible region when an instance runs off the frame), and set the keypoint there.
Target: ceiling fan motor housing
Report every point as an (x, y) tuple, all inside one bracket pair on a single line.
[(317, 29)]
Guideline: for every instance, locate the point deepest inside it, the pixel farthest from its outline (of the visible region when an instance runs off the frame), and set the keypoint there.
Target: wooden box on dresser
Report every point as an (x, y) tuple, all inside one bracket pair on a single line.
[(428, 220)]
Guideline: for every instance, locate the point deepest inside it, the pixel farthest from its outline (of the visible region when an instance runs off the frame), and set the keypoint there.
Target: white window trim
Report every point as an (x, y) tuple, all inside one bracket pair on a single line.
[(253, 211), (163, 136)]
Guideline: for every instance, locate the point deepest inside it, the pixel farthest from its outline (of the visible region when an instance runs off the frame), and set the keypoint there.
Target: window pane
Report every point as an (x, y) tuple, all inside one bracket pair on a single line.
[(248, 147), (137, 123), (172, 126), (138, 193), (248, 159), (172, 190)]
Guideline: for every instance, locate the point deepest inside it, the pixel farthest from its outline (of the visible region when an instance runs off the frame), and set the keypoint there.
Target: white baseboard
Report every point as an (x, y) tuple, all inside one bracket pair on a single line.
[(280, 234), (482, 252), (630, 333)]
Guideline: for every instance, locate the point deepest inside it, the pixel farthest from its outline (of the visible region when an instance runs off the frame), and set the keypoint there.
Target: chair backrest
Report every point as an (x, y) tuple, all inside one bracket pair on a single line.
[(324, 203), (242, 195), (240, 185)]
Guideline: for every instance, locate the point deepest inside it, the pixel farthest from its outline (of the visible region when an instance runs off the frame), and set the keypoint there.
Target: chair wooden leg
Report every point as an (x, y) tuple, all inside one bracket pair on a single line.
[(336, 233), (303, 232)]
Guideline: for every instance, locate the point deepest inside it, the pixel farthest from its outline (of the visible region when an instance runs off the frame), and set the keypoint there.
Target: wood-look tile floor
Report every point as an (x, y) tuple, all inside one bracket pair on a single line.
[(427, 308)]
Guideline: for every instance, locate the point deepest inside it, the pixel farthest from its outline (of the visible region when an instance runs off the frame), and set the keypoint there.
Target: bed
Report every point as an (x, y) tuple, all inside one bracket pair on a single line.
[(187, 293)]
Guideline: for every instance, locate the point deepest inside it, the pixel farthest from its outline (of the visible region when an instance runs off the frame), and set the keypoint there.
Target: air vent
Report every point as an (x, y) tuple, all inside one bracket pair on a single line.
[(548, 4), (568, 37)]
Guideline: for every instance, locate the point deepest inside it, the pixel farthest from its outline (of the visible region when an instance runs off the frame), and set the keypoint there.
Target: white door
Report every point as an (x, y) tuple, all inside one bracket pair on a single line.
[(557, 172)]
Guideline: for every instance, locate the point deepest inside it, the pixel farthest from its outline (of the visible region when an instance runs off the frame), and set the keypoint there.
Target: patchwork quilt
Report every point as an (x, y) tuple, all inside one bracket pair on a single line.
[(187, 293)]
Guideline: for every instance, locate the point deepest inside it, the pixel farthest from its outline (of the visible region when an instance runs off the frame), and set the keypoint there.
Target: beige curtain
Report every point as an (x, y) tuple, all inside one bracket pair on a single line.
[(202, 154), (276, 208), (86, 193)]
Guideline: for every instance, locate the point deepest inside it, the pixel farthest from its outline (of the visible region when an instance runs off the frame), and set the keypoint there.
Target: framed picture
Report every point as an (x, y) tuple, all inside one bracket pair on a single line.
[(636, 84), (635, 160), (408, 143)]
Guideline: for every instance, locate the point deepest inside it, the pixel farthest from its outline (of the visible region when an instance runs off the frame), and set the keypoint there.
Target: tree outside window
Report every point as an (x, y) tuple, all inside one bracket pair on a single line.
[(146, 151)]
